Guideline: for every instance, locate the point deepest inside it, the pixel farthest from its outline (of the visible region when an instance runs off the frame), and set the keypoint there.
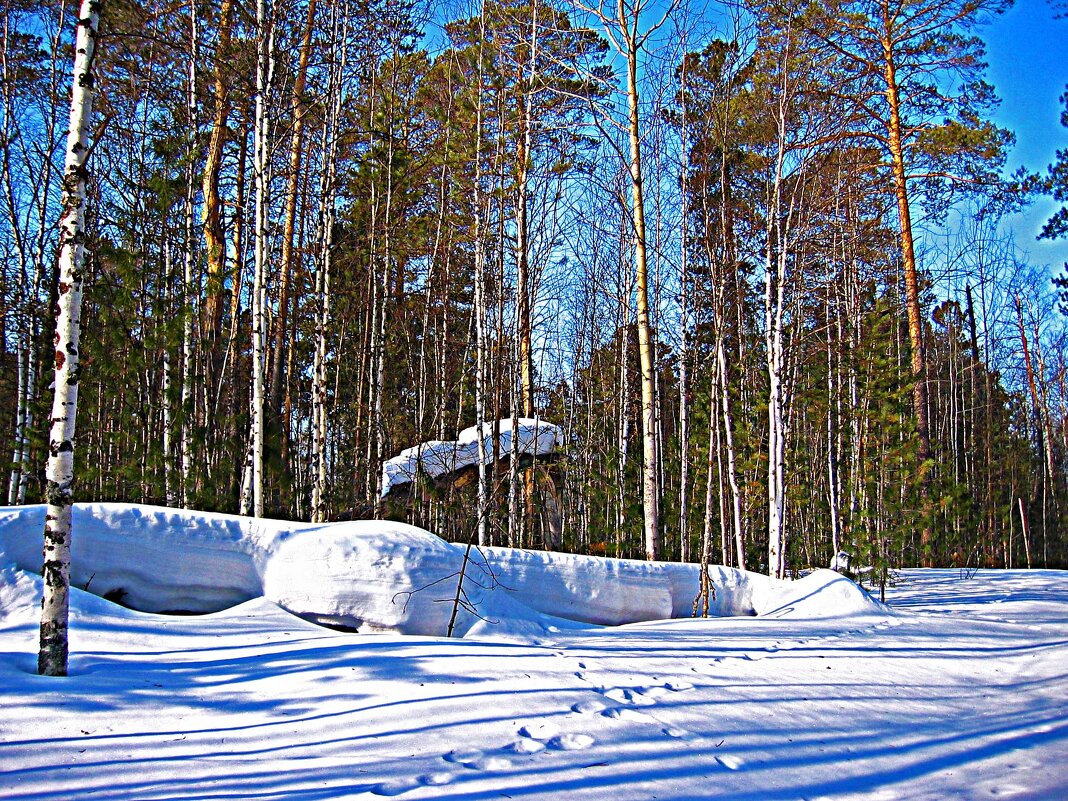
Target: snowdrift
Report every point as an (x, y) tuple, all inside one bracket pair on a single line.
[(150, 558), (381, 576)]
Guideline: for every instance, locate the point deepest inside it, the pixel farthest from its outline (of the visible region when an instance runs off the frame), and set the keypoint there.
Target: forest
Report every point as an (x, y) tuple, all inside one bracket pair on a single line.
[(748, 256)]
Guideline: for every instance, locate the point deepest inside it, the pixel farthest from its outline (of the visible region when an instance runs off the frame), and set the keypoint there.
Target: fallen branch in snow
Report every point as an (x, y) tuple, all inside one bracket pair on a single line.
[(460, 599), (706, 594)]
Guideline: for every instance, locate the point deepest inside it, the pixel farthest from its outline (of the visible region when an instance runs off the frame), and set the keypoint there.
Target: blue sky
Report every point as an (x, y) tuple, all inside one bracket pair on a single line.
[(1027, 50)]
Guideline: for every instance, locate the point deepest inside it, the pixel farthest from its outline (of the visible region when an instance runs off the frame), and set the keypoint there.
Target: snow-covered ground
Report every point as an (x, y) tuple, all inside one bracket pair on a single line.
[(959, 690)]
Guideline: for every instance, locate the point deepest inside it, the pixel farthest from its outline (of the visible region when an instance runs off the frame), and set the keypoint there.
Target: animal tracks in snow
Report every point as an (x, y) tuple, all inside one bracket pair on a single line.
[(635, 704), (571, 742), (538, 739), (401, 786), (642, 704)]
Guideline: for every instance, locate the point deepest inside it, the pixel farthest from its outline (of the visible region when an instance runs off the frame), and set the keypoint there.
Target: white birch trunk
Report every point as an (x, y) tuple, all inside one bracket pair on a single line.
[(328, 181), (52, 657), (188, 290), (732, 469), (775, 266), (170, 491), (684, 355), (265, 53), (650, 464), (480, 309)]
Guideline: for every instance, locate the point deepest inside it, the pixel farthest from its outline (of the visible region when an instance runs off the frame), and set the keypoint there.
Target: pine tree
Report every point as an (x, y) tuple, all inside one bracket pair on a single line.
[(912, 63)]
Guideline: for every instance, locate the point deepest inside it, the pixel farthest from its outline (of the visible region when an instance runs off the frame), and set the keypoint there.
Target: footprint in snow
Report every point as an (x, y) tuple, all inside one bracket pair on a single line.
[(590, 707), (395, 787), (490, 763), (678, 686), (626, 713), (478, 760), (730, 762), (436, 779), (729, 661), (461, 757), (679, 733), (571, 742), (542, 730), (545, 734), (525, 746), (629, 695)]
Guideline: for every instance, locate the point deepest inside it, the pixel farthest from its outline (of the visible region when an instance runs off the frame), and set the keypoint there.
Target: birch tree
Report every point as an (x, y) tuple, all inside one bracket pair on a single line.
[(327, 202), (622, 23), (52, 657), (261, 157), (212, 210)]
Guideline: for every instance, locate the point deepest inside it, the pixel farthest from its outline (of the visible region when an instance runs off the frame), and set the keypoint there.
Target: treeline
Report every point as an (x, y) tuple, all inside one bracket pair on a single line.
[(752, 264)]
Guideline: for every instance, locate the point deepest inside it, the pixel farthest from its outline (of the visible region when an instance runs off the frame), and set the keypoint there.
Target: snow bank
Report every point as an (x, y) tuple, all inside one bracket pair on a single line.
[(152, 558), (20, 600), (358, 575), (437, 457), (615, 591), (381, 576), (820, 595), (20, 595)]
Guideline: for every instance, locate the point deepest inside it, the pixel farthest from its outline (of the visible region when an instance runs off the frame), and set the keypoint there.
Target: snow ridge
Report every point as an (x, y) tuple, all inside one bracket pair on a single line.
[(383, 576)]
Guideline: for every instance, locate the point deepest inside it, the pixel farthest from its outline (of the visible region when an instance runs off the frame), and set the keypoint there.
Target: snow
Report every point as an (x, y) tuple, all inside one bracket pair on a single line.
[(437, 458), (955, 691), (157, 559), (369, 576)]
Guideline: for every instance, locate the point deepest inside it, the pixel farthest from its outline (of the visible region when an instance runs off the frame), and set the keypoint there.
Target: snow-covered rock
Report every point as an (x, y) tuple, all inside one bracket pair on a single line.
[(438, 458)]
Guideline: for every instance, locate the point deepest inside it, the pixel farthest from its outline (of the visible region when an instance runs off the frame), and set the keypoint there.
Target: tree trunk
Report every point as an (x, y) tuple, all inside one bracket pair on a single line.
[(52, 657), (212, 214), (186, 417), (264, 59), (650, 466), (482, 509), (913, 306), (328, 183), (684, 351), (289, 230)]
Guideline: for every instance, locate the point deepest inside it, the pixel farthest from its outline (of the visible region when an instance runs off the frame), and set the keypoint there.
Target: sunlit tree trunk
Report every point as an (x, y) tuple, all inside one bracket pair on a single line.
[(299, 111), (913, 308), (327, 189), (52, 657), (188, 289), (264, 70), (684, 349), (214, 242), (170, 480), (482, 509), (650, 464)]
